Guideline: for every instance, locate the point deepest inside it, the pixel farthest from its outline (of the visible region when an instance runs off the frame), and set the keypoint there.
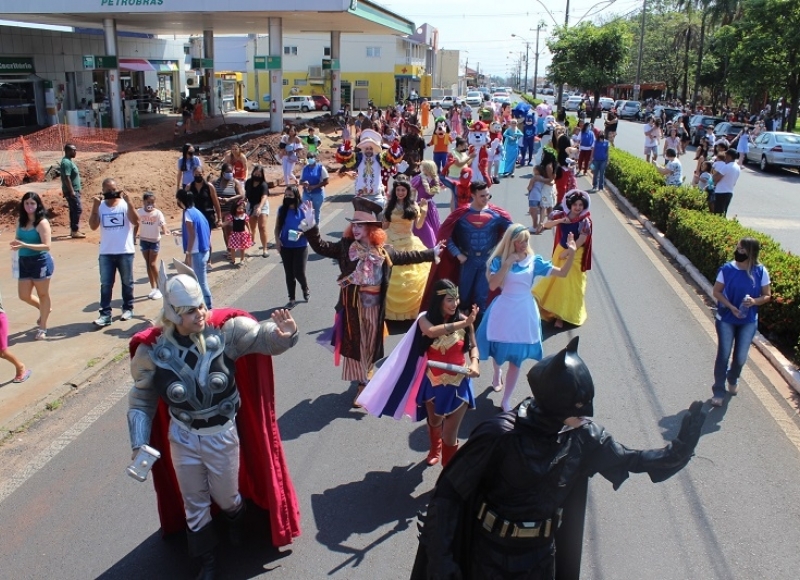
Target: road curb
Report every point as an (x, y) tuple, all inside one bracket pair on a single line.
[(786, 369)]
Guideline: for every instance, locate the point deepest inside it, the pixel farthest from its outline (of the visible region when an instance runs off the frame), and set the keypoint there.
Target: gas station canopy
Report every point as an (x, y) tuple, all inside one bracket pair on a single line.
[(184, 17)]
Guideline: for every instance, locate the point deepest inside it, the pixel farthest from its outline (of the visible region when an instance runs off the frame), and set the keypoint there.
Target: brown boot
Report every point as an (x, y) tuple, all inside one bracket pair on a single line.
[(435, 434), (447, 452)]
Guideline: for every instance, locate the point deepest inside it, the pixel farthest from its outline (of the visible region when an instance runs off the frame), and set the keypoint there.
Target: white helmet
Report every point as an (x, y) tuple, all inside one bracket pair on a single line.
[(180, 290)]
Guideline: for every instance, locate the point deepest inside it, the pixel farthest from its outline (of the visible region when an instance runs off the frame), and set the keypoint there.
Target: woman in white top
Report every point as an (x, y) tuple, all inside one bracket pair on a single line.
[(290, 145)]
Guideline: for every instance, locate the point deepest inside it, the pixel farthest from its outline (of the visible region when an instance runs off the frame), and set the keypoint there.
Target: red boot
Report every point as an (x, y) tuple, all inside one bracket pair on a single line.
[(435, 434), (447, 452)]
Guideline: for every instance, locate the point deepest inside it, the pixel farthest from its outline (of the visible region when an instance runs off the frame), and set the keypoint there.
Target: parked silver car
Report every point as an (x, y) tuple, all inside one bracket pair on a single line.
[(775, 148)]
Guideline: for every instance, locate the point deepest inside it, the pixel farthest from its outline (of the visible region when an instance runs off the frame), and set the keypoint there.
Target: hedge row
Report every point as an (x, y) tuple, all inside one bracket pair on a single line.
[(530, 100), (708, 240)]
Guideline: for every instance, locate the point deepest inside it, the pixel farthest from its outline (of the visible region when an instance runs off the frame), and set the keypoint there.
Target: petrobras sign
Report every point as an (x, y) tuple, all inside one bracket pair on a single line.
[(130, 3)]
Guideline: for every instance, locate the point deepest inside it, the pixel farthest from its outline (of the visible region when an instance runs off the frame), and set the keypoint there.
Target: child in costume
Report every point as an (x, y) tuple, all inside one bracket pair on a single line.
[(239, 239), (371, 165), (495, 151), (412, 380), (512, 137)]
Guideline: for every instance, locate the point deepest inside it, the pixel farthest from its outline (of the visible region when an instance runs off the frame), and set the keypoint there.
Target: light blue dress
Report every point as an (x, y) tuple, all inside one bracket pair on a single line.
[(511, 330), (511, 140)]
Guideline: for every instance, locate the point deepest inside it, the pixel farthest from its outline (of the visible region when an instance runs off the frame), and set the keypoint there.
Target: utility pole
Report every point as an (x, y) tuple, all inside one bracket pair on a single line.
[(561, 86), (255, 53), (637, 84)]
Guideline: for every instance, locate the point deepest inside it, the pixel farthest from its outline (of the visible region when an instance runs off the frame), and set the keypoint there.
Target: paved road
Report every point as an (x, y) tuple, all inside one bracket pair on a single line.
[(649, 341), (767, 202)]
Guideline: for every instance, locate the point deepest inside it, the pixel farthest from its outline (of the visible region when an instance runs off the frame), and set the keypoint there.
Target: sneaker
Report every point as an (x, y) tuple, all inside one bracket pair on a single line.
[(593, 190), (103, 321), (733, 389), (77, 235), (126, 315), (156, 294), (152, 291)]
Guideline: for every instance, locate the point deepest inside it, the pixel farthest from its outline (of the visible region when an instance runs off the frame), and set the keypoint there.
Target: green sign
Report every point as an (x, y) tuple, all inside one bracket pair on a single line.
[(330, 64), (202, 63), (99, 61), (273, 63), (260, 62), (16, 64)]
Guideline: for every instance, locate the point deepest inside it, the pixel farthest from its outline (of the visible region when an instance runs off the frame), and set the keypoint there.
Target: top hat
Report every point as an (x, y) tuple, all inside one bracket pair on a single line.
[(365, 212)]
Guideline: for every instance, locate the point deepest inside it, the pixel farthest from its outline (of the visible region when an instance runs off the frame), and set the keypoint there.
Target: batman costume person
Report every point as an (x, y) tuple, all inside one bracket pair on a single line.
[(510, 505), (202, 380)]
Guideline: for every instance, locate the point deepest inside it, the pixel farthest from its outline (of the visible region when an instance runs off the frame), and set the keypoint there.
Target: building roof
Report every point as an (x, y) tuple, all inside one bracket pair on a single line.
[(229, 17)]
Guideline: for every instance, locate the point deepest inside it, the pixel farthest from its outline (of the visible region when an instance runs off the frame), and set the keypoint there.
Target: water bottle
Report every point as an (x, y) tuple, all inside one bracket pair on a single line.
[(743, 309), (15, 264)]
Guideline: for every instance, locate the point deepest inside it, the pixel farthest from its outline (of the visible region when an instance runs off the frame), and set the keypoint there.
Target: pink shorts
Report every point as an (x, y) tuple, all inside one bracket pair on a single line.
[(3, 332)]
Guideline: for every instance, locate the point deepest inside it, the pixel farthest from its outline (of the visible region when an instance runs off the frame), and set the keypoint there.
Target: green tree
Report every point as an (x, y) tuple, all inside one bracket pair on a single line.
[(588, 56)]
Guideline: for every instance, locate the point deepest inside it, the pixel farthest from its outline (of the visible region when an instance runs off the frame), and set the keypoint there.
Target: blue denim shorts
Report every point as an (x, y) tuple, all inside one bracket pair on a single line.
[(146, 246), (39, 267), (534, 202)]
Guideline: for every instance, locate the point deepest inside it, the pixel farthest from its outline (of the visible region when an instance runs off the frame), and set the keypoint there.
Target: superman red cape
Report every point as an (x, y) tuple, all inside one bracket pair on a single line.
[(263, 474)]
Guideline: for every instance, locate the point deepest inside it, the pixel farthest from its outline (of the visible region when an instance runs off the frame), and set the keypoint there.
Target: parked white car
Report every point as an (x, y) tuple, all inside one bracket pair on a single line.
[(250, 105), (775, 148), (573, 103), (302, 103), (474, 98)]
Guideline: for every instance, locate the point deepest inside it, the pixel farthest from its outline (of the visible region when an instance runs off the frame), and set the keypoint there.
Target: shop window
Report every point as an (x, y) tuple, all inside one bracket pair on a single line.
[(285, 82), (362, 83), (300, 82), (290, 50), (326, 51), (373, 52)]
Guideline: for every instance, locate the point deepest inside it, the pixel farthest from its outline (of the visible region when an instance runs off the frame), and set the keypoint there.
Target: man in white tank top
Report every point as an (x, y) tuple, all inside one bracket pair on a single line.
[(114, 215)]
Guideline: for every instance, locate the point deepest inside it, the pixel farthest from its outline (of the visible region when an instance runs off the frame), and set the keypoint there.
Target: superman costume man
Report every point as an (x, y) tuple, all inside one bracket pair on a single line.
[(471, 232)]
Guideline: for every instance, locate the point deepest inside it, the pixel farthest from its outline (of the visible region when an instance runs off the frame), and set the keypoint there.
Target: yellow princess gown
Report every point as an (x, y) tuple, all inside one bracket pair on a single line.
[(407, 283)]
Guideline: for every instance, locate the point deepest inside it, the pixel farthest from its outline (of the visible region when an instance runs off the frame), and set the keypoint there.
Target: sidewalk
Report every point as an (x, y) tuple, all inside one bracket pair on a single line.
[(75, 350)]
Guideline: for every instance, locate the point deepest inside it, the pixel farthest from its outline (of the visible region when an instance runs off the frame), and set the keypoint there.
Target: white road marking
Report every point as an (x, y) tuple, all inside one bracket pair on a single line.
[(779, 414), (61, 442)]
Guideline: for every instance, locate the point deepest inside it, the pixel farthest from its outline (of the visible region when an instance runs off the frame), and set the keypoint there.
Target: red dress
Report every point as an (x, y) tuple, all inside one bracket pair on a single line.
[(240, 238)]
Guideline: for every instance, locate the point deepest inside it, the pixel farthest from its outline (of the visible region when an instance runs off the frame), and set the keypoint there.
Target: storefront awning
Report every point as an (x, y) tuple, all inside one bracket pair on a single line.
[(164, 65), (409, 77), (135, 64)]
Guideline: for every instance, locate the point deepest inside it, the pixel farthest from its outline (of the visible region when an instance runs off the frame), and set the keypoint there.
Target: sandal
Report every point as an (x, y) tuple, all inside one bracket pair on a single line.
[(41, 334), (23, 377)]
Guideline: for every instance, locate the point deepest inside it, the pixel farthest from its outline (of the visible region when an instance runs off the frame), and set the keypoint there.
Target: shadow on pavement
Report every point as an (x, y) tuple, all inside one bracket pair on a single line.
[(361, 507), (168, 558), (310, 416)]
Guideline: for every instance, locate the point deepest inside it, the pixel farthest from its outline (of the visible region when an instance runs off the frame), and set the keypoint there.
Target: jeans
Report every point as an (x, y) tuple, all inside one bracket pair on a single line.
[(599, 175), (316, 200), (110, 264), (294, 267), (75, 210), (736, 338), (199, 265)]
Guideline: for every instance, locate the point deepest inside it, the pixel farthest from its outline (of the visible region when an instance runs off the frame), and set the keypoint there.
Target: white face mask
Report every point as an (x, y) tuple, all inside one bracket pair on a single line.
[(149, 207), (311, 161), (227, 175)]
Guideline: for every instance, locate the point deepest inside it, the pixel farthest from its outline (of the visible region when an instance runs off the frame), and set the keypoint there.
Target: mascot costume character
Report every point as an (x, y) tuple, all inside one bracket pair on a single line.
[(440, 141), (478, 140), (529, 139), (495, 150), (511, 502), (371, 164)]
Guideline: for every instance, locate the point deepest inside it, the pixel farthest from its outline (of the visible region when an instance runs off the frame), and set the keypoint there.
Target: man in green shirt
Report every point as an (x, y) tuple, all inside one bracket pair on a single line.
[(71, 188)]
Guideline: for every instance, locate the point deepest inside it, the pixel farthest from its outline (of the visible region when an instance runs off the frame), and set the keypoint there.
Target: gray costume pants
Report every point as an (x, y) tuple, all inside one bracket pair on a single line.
[(207, 467)]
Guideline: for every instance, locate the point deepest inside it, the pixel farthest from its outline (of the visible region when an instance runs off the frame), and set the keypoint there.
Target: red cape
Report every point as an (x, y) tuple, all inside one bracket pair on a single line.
[(449, 267), (263, 473)]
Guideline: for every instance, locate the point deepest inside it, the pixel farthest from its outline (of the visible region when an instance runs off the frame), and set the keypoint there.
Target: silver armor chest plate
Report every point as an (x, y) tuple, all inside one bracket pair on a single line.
[(197, 392)]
